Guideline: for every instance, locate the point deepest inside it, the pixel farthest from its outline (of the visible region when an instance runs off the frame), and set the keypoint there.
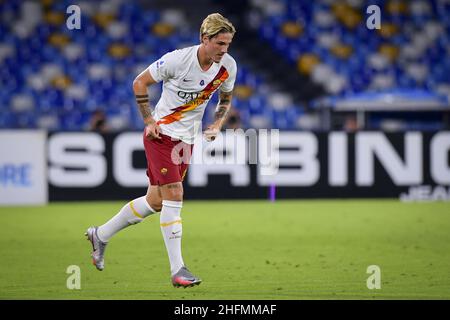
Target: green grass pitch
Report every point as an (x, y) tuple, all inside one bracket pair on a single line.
[(241, 249)]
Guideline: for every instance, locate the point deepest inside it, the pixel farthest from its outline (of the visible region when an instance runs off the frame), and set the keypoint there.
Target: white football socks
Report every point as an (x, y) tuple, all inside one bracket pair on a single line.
[(133, 212), (172, 230)]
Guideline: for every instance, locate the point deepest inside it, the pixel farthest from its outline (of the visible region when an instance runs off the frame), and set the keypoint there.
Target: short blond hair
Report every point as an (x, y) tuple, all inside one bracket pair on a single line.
[(214, 24)]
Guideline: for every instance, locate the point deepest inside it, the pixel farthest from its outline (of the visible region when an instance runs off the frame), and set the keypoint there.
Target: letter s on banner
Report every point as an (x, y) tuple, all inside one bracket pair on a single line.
[(83, 166)]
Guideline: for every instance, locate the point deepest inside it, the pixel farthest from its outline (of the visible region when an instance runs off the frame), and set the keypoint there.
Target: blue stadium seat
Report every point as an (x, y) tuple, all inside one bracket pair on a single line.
[(115, 95), (364, 41)]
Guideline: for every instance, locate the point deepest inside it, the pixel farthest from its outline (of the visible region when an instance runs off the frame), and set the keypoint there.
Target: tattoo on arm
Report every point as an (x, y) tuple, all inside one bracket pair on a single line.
[(144, 109), (225, 98), (144, 106), (223, 106), (221, 112)]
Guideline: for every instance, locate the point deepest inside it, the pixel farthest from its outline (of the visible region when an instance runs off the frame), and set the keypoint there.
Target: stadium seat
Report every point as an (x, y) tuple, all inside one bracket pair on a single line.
[(69, 74)]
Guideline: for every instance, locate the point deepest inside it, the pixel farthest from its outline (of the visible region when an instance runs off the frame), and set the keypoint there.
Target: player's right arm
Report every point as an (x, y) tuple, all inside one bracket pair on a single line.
[(140, 84)]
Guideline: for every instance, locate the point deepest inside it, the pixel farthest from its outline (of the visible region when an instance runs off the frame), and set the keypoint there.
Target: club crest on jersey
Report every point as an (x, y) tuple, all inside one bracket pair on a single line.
[(202, 82), (217, 82), (164, 171)]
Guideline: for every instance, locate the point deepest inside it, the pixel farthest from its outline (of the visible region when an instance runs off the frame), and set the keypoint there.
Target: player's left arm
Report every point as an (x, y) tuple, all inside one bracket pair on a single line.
[(220, 116)]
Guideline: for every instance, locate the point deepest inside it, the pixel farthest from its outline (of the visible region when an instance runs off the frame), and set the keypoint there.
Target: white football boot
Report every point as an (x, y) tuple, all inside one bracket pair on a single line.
[(98, 248)]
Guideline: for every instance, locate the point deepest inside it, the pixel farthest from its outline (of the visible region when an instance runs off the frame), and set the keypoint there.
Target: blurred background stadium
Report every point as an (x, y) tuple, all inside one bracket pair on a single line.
[(362, 113), (295, 58)]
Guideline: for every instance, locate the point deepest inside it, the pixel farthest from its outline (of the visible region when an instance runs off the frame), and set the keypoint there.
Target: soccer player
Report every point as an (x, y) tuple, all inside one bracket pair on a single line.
[(190, 77)]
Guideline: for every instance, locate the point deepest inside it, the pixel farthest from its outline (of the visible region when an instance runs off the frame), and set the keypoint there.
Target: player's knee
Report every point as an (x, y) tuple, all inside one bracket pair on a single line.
[(175, 195), (156, 204), (173, 191)]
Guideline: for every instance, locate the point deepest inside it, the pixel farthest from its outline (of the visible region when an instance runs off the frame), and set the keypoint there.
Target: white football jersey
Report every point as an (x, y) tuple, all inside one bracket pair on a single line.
[(187, 90)]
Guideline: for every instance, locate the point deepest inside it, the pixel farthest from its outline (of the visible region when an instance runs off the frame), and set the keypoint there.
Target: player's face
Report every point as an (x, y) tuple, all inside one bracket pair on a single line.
[(217, 46)]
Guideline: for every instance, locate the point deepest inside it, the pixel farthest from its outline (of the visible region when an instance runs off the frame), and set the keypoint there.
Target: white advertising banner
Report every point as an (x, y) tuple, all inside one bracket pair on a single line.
[(23, 167)]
